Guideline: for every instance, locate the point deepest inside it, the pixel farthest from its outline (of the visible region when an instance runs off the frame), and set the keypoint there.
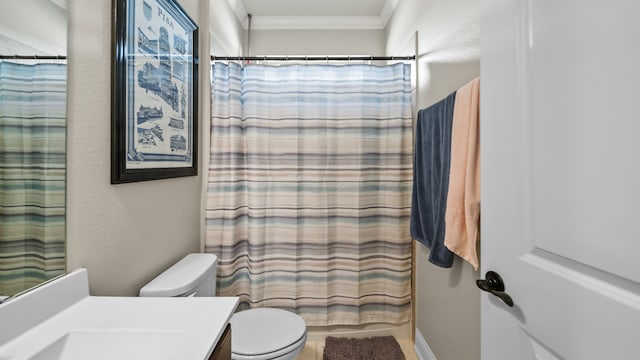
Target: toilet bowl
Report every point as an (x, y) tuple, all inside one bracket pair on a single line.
[(257, 334)]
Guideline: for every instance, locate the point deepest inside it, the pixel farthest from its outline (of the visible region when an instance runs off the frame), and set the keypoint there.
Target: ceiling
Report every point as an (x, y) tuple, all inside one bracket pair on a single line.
[(314, 14), (308, 14), (61, 3)]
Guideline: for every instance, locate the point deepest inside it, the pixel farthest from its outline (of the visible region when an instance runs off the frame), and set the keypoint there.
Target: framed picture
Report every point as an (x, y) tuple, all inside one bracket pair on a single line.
[(154, 124)]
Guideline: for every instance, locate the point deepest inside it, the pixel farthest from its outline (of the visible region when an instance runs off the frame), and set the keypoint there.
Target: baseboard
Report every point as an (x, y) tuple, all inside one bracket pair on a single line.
[(422, 348)]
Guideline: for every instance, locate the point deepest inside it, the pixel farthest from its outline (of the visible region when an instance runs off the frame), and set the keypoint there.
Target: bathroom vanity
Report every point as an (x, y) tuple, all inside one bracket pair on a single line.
[(59, 320), (223, 348)]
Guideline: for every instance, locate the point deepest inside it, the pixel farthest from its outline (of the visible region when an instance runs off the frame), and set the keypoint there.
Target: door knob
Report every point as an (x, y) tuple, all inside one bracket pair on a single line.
[(494, 284)]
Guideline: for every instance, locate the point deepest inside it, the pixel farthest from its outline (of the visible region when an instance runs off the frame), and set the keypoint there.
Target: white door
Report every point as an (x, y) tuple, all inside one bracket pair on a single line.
[(560, 127)]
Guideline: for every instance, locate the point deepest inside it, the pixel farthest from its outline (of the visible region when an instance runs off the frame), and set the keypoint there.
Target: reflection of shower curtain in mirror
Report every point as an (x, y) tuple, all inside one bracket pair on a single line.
[(32, 174), (309, 190)]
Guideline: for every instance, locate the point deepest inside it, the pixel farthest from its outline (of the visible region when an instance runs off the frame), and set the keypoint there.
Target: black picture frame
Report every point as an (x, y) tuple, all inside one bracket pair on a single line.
[(154, 96)]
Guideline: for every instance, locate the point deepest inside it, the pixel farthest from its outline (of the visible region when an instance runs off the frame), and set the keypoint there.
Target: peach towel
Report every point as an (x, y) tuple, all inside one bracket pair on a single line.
[(462, 217)]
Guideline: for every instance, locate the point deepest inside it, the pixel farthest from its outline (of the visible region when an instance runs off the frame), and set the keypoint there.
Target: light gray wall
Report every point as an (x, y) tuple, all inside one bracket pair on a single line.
[(447, 300), (123, 234), (9, 46), (227, 35), (317, 42), (32, 27)]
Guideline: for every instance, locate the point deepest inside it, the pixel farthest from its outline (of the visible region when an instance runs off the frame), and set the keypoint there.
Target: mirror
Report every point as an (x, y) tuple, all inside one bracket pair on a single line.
[(33, 37)]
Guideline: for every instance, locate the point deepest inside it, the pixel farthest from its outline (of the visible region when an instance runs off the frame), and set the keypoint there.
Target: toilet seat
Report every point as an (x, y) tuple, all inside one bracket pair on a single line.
[(266, 333), (277, 355)]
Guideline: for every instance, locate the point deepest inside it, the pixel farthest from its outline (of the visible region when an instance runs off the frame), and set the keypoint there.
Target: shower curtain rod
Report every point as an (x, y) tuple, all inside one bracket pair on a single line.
[(312, 58), (33, 57)]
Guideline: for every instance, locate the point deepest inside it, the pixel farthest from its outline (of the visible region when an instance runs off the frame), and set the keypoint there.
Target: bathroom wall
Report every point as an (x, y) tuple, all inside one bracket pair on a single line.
[(447, 301), (123, 234), (126, 234), (227, 35), (41, 24), (317, 42)]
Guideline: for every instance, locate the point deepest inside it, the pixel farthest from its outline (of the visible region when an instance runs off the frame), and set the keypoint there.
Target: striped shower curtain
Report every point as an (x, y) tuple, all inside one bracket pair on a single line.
[(309, 185), (32, 174)]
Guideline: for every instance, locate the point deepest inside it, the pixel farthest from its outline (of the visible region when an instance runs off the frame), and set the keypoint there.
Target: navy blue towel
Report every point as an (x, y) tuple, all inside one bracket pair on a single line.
[(432, 158)]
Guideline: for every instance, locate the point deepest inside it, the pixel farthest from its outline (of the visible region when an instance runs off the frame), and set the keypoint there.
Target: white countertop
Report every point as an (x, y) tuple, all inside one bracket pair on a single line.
[(114, 327)]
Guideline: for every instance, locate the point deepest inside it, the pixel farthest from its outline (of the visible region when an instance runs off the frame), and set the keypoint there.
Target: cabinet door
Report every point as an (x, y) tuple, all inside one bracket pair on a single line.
[(223, 348)]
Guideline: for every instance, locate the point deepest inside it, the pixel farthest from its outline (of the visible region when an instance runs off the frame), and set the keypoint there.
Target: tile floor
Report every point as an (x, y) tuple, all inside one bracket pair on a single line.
[(313, 350)]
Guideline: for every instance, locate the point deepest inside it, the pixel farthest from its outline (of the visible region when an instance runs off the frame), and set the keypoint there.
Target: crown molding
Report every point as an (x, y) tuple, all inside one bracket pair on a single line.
[(387, 11), (314, 22), (60, 3), (240, 11)]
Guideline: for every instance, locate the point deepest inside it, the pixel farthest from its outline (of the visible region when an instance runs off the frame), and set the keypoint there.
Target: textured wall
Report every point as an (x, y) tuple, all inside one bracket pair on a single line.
[(36, 24), (227, 35), (447, 300), (317, 42), (123, 234)]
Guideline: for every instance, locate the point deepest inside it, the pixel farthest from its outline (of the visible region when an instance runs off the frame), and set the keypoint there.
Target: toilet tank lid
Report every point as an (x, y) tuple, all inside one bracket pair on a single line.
[(181, 278)]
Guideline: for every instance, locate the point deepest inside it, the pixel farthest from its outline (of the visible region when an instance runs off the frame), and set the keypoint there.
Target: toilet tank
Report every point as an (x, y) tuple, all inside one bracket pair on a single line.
[(194, 275)]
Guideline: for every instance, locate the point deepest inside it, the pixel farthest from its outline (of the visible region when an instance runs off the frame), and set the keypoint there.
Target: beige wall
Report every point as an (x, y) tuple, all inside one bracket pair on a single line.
[(126, 234), (123, 234), (317, 42), (447, 300), (31, 27), (227, 35)]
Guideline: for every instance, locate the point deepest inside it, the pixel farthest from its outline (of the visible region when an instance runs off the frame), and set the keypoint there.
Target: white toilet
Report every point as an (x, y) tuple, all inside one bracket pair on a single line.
[(256, 334)]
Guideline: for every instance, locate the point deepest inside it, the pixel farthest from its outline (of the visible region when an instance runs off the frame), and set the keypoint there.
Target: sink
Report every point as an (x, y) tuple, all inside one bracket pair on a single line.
[(78, 326), (111, 344)]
